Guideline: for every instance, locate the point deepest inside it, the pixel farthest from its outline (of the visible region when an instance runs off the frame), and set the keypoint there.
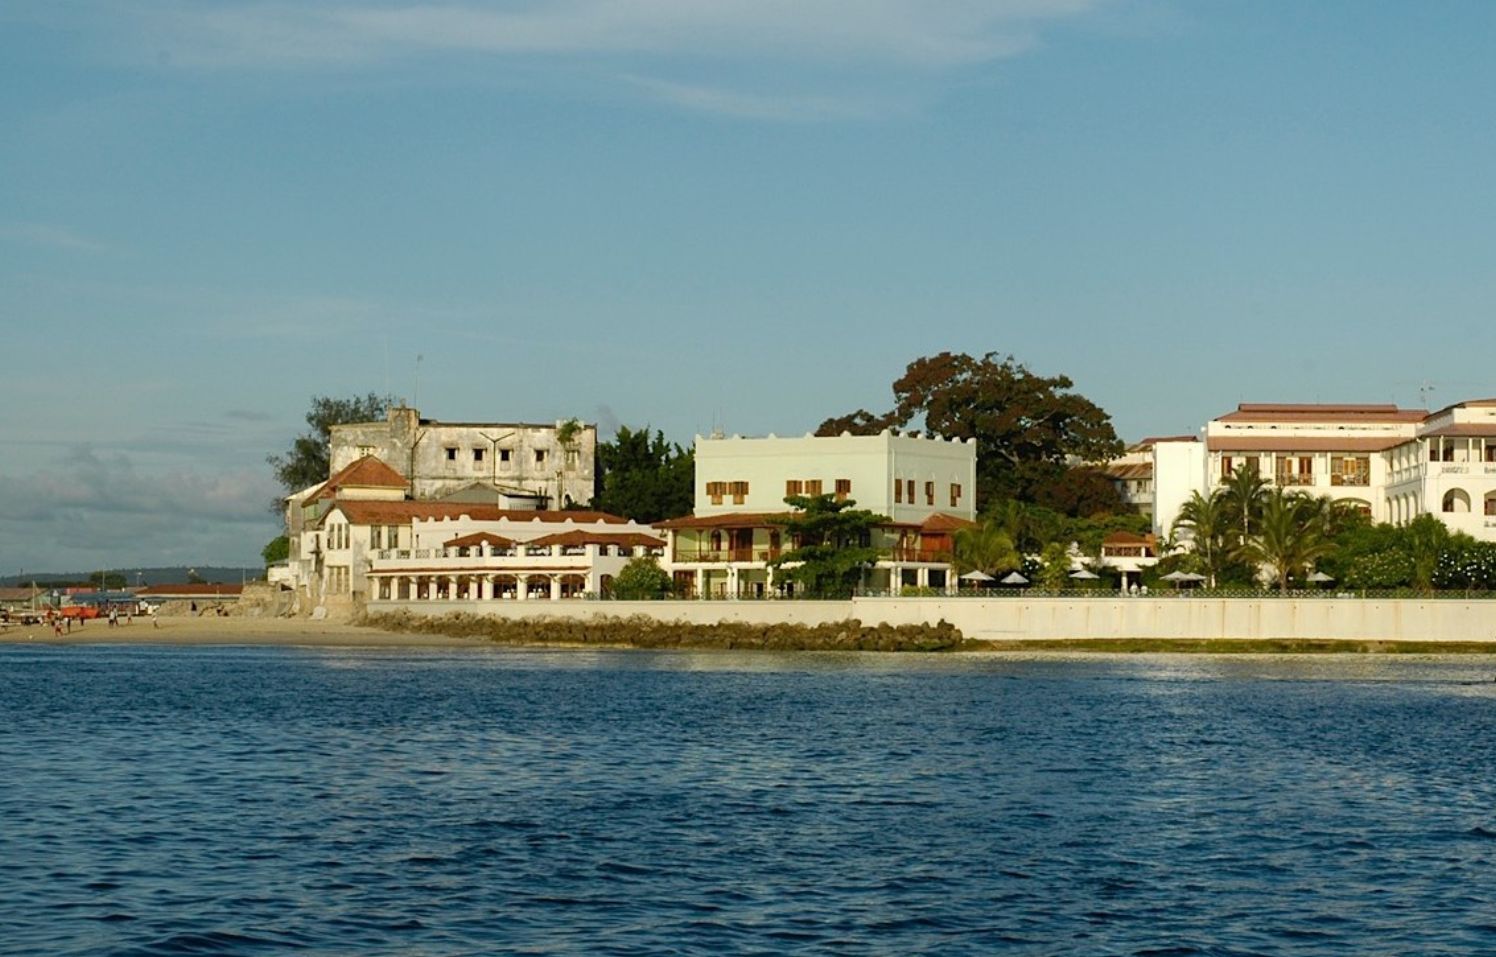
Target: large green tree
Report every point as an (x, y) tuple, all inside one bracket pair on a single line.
[(643, 477), (832, 545), (306, 463), (1028, 427)]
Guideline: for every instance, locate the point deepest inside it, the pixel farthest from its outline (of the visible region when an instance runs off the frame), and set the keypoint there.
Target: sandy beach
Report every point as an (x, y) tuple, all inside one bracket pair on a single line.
[(232, 630)]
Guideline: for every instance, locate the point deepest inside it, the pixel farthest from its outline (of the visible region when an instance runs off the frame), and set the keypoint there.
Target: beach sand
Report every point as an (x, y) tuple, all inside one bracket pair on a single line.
[(232, 630)]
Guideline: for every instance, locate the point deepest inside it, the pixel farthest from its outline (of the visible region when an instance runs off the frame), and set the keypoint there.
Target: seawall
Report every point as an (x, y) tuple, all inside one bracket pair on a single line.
[(1037, 618)]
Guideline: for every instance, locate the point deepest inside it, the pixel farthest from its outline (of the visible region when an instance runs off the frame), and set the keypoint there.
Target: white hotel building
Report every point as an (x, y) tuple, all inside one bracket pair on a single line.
[(1395, 464)]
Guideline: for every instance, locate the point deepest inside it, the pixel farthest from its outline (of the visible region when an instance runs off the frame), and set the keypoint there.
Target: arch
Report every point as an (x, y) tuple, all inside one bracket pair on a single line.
[(1359, 504), (605, 586), (1456, 500), (505, 586), (573, 586)]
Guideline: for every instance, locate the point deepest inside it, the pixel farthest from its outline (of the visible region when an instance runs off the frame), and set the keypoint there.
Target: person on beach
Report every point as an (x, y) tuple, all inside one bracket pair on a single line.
[(56, 626)]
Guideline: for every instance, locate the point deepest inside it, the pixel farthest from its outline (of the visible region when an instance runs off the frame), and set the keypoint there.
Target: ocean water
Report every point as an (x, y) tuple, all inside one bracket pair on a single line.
[(259, 801)]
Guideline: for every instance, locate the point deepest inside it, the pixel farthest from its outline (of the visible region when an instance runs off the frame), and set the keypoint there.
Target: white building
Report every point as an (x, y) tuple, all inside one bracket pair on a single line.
[(925, 486), (510, 464), (1395, 464)]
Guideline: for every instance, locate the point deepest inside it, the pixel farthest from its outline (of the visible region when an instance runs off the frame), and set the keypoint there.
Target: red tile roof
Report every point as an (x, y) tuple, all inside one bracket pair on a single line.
[(367, 472), (729, 520), (1471, 430), (580, 537), (941, 522), (1313, 412), (479, 538), (390, 513)]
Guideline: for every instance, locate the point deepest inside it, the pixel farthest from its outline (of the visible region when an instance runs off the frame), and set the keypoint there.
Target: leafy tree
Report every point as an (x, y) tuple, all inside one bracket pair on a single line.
[(307, 462), (1081, 493), (643, 477), (1027, 427), (833, 544), (1468, 564), (985, 548), (106, 581), (1054, 571), (641, 579), (278, 550), (1207, 522), (1292, 533), (1427, 538)]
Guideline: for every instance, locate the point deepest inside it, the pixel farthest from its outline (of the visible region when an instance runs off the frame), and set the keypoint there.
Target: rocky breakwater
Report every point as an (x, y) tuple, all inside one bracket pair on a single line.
[(642, 632)]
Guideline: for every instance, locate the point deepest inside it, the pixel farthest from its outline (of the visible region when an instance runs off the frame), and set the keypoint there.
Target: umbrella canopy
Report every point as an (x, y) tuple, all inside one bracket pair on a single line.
[(1175, 577), (977, 576), (1013, 578), (1319, 577), (1193, 577), (1085, 573)]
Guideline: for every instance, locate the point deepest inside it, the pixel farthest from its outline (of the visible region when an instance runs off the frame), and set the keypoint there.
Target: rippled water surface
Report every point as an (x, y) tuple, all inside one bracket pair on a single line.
[(251, 801)]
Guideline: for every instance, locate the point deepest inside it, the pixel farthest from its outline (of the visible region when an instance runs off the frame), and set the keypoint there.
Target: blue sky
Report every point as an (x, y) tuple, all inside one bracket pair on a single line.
[(746, 213)]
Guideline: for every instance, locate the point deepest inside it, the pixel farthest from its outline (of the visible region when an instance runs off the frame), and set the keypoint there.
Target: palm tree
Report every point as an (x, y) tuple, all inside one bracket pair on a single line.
[(1244, 492), (985, 548), (1291, 533), (1209, 525)]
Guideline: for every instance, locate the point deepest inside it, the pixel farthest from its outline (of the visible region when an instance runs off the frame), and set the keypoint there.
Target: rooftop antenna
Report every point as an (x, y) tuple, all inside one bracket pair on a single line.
[(415, 401), (1424, 391), (386, 365)]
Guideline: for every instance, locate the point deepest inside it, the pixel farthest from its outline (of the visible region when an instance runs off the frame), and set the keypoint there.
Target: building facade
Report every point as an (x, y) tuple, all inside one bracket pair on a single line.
[(926, 487), (509, 464), (1393, 464)]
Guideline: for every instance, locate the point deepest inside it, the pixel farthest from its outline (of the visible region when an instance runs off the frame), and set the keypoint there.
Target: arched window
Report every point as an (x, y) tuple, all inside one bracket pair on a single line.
[(1455, 500)]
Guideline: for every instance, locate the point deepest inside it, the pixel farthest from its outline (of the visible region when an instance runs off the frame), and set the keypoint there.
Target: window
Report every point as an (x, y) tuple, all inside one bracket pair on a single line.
[(843, 489), (1225, 466), (477, 455), (392, 536), (365, 450), (376, 536), (812, 487), (506, 457), (573, 457), (898, 491), (715, 491), (1252, 464), (909, 491), (929, 493), (955, 495), (451, 453), (1350, 470), (793, 487), (738, 491), (540, 456)]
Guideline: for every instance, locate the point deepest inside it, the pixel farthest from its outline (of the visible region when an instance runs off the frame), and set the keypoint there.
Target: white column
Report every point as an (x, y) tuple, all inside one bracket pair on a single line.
[(521, 587), (700, 583), (555, 587), (485, 588)]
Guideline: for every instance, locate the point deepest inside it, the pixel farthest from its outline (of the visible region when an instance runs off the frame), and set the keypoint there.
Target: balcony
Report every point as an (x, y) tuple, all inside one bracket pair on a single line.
[(723, 556), (915, 554), (1294, 478), (1340, 480)]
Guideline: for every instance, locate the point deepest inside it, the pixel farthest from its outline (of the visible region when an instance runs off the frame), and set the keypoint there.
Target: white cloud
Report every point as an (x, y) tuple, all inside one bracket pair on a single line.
[(49, 235), (926, 33), (92, 508)]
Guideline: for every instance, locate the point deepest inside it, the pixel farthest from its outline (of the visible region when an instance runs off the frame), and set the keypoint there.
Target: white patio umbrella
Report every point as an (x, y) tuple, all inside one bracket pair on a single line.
[(1175, 577), (1319, 577), (1013, 578), (1085, 573), (977, 576)]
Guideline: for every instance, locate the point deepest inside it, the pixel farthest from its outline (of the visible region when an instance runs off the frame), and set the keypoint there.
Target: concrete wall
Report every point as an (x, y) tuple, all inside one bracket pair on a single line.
[(1037, 618)]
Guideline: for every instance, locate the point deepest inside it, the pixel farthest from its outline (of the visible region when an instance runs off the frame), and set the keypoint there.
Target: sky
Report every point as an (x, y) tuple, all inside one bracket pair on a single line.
[(696, 214)]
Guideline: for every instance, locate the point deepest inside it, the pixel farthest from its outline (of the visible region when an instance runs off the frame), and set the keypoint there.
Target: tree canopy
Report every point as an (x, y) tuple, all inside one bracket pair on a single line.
[(833, 545), (307, 461), (644, 477), (641, 579), (1027, 426)]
